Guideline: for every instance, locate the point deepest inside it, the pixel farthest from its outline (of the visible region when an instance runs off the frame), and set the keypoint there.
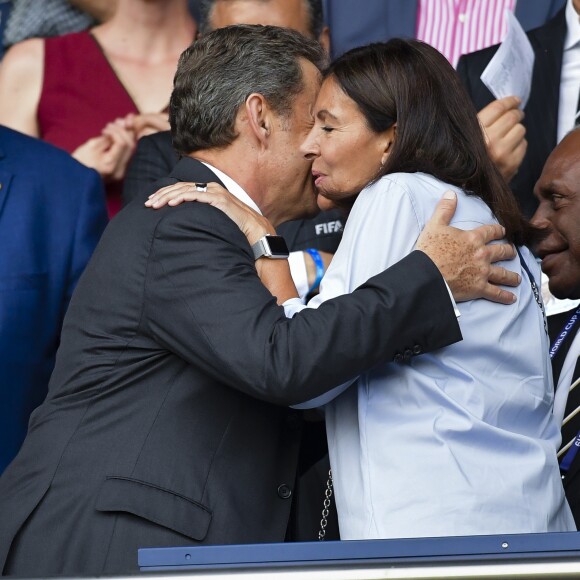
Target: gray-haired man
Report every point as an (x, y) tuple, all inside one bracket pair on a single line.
[(155, 156), (166, 420)]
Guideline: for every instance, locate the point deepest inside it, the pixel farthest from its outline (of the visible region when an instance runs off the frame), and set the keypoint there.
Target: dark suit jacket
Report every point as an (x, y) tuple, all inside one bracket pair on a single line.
[(572, 480), (161, 426), (356, 24), (52, 213), (155, 158), (541, 112)]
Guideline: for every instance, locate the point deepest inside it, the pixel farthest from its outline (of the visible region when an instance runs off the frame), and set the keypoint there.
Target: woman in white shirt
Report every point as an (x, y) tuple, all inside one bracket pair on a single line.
[(462, 441)]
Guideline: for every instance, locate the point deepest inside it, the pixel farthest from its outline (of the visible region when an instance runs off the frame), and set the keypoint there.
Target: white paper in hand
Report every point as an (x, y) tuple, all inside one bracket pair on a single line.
[(509, 72)]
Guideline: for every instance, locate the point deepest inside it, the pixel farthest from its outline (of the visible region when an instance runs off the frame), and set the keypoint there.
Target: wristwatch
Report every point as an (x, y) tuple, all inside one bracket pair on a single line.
[(273, 247)]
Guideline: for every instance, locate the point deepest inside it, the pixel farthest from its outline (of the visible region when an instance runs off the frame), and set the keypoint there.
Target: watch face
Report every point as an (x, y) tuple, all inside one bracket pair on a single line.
[(277, 245)]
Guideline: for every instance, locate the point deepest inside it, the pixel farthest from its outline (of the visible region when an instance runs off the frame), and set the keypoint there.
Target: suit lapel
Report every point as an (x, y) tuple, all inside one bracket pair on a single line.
[(542, 108), (555, 325), (5, 176), (575, 467)]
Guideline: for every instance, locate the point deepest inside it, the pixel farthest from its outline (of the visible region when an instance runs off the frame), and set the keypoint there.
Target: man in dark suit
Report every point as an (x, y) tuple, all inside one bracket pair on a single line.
[(558, 194), (52, 213), (155, 156), (166, 420), (542, 110)]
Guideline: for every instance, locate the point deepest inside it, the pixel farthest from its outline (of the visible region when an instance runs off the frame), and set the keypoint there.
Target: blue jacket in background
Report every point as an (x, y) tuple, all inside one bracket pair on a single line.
[(52, 214)]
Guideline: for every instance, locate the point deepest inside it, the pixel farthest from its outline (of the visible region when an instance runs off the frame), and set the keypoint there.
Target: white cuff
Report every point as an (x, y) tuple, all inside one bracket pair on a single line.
[(299, 274), (455, 309), (292, 306)]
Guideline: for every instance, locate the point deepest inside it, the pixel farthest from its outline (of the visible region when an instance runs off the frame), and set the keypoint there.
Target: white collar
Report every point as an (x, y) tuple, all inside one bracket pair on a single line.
[(234, 188), (572, 26)]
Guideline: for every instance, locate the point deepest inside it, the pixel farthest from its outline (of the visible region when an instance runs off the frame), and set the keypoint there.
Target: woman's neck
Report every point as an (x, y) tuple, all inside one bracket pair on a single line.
[(148, 29)]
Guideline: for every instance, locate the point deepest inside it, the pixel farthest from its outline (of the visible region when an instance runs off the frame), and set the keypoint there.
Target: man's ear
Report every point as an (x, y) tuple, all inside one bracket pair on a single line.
[(259, 117)]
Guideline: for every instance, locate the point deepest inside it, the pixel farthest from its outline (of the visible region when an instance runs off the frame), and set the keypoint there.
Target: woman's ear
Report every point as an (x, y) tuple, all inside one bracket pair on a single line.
[(259, 116), (390, 137)]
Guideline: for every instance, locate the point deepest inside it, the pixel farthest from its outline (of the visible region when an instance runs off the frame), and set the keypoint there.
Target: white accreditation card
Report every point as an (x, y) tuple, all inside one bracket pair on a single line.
[(509, 72)]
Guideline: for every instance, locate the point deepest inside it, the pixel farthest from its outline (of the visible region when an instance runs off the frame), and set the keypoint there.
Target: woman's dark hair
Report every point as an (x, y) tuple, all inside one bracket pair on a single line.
[(412, 84)]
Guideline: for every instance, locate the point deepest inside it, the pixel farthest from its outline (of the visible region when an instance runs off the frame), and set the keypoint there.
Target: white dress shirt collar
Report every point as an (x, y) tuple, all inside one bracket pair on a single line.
[(572, 26), (296, 259), (233, 187)]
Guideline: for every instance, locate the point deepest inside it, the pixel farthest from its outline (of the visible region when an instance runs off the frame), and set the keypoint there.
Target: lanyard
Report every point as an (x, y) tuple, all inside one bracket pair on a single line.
[(535, 289), (566, 332)]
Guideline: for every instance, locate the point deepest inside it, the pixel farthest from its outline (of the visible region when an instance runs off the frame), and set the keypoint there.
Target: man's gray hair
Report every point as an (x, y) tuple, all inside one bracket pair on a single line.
[(218, 72), (314, 8)]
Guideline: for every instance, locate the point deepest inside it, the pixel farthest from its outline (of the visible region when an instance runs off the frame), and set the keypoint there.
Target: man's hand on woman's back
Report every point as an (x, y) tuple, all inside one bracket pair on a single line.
[(465, 258)]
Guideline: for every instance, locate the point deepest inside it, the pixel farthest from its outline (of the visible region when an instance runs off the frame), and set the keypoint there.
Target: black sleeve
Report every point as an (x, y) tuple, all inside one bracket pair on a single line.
[(208, 306), (463, 74), (154, 158), (469, 68), (322, 232)]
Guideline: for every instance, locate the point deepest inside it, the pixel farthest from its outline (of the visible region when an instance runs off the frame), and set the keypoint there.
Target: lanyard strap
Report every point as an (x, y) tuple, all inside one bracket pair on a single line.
[(565, 333), (535, 289)]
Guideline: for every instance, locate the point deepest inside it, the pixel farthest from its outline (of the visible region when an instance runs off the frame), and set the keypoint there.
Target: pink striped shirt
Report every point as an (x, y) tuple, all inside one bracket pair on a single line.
[(456, 27)]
